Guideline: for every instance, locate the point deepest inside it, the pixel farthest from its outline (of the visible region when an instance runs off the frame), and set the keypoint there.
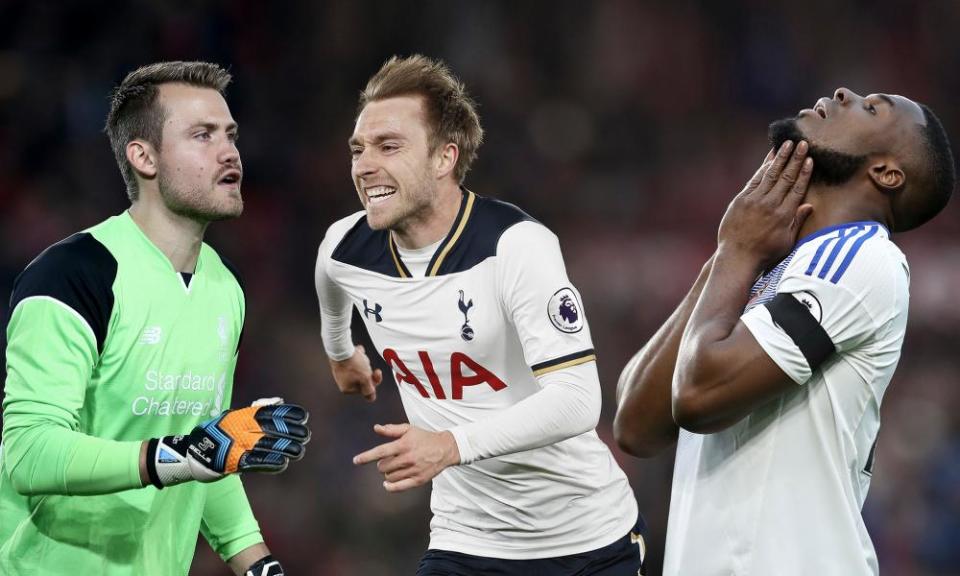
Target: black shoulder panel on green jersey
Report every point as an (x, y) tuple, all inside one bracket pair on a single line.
[(366, 248), (478, 241), (472, 239), (78, 272), (236, 274)]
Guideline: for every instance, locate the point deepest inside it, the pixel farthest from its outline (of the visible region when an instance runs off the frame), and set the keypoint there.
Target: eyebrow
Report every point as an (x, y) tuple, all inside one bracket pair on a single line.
[(354, 141), (887, 99), (213, 126)]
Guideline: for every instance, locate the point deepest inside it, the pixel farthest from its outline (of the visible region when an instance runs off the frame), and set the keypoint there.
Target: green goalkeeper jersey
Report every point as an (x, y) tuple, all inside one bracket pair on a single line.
[(108, 345)]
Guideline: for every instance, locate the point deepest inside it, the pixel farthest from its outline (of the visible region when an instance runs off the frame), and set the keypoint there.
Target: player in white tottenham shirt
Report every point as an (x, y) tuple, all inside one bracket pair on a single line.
[(778, 381), (467, 300)]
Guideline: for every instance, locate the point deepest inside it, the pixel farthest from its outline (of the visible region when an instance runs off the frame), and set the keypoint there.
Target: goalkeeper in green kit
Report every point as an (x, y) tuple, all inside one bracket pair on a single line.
[(118, 442)]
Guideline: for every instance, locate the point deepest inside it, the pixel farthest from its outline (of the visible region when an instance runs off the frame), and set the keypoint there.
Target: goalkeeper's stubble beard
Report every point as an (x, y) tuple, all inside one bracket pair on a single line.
[(198, 202)]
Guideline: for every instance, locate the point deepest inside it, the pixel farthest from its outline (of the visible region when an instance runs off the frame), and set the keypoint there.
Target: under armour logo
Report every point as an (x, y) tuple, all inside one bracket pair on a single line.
[(466, 332), (367, 310)]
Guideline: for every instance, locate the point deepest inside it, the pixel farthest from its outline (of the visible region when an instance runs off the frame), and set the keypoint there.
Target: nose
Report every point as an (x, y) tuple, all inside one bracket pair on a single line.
[(230, 154), (845, 95), (363, 165)]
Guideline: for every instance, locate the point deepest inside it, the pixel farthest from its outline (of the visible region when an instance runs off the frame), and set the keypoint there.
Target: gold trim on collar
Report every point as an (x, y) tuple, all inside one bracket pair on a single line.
[(393, 253), (456, 235)]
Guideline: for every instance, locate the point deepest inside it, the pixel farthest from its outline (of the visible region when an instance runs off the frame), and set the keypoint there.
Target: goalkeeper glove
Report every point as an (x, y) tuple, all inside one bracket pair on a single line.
[(265, 566), (261, 438)]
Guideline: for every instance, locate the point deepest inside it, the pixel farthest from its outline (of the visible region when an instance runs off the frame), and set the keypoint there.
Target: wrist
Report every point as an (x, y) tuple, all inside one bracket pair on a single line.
[(339, 354), (737, 257), (266, 566), (142, 464), (166, 461), (169, 461), (453, 451), (460, 453)]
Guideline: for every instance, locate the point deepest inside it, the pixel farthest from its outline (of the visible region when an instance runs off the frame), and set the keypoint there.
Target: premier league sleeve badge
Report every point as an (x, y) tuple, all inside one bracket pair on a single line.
[(564, 311)]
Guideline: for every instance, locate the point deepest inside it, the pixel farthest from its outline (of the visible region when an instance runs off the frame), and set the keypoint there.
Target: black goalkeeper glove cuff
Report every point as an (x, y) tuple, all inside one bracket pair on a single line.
[(265, 566)]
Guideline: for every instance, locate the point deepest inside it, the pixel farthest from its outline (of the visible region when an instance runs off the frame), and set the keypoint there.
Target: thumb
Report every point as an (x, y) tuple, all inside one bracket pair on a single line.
[(377, 377), (391, 430), (267, 402)]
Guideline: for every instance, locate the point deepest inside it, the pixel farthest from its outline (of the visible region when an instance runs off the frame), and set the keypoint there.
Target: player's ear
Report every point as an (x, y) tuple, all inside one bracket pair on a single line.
[(887, 174), (143, 157), (446, 159)]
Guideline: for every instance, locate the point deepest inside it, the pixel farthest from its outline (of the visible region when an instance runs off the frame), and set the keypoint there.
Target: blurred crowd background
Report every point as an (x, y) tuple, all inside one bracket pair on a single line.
[(624, 126)]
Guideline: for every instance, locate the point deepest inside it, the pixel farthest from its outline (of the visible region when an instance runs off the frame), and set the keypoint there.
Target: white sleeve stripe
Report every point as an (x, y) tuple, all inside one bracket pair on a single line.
[(79, 316)]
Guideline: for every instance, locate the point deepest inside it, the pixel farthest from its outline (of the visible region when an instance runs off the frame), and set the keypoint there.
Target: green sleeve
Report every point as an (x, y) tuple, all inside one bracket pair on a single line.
[(228, 524), (51, 352)]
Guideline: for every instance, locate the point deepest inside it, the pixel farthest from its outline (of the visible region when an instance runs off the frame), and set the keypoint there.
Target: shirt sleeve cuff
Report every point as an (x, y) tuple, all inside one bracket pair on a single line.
[(231, 549), (460, 434), (134, 466), (340, 350)]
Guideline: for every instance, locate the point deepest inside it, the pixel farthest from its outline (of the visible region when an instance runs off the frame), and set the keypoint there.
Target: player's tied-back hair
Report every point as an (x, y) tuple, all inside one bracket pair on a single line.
[(451, 113), (135, 113)]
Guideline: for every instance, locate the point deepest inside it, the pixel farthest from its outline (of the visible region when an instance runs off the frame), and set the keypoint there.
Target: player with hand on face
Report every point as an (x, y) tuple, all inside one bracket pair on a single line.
[(775, 363), (467, 300), (119, 446)]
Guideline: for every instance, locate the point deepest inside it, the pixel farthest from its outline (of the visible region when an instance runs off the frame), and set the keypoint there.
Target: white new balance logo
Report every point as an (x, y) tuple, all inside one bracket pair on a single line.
[(151, 335)]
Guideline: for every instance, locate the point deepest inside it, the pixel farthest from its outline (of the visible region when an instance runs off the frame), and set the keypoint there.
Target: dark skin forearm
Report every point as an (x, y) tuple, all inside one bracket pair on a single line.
[(644, 424), (711, 359), (724, 295), (723, 374)]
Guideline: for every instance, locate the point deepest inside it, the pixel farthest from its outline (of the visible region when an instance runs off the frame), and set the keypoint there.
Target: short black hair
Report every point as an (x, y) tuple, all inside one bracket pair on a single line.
[(940, 176)]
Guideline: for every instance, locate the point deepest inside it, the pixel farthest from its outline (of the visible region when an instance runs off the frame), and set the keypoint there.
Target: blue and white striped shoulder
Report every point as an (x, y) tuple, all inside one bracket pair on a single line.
[(828, 253)]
